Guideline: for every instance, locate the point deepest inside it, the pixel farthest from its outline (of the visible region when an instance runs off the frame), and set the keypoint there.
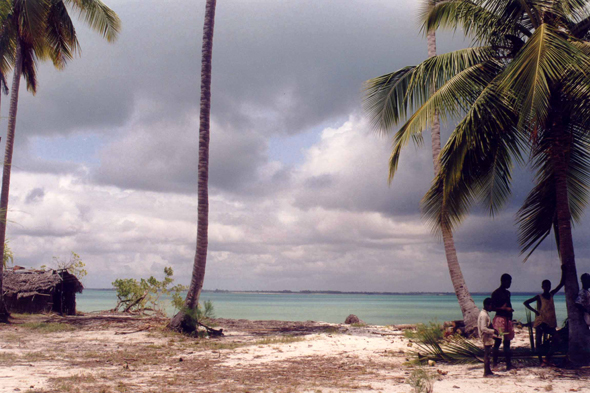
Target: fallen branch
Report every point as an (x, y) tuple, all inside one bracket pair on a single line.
[(135, 331), (212, 332), (137, 301)]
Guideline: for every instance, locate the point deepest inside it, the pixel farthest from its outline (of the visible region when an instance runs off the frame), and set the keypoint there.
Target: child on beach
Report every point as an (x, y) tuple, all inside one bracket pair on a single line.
[(583, 299), (502, 305), (546, 320), (486, 332)]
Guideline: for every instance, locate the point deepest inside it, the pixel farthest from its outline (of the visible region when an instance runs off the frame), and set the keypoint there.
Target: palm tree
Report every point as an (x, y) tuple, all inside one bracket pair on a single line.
[(40, 30), (180, 321), (380, 105), (522, 87)]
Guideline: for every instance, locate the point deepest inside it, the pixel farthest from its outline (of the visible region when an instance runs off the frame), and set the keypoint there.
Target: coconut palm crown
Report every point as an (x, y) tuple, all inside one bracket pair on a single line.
[(519, 94)]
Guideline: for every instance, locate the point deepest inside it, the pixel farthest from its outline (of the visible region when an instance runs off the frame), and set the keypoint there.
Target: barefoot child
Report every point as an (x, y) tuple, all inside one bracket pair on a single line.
[(486, 332), (545, 320)]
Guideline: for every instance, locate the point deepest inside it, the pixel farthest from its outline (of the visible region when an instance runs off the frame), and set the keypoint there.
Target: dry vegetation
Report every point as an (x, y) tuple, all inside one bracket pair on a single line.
[(113, 353)]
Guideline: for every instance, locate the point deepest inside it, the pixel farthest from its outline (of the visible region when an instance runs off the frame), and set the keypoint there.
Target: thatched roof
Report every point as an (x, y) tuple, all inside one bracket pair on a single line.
[(29, 281)]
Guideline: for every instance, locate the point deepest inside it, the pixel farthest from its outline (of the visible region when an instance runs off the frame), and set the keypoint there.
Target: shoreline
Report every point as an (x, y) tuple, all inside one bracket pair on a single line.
[(307, 292)]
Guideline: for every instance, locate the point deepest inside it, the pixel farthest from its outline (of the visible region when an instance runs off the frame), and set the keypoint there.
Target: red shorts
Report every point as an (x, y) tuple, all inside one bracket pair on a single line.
[(504, 325)]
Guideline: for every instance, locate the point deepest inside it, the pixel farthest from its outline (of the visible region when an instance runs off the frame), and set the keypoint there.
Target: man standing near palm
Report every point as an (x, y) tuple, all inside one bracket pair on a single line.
[(502, 305)]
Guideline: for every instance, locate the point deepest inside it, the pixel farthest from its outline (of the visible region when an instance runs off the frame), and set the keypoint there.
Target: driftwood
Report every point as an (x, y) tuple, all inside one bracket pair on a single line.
[(212, 332), (130, 303), (135, 331)]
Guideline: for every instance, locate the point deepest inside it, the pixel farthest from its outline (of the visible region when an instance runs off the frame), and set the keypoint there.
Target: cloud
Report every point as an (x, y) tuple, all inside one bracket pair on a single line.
[(106, 159), (163, 156), (348, 170), (283, 238)]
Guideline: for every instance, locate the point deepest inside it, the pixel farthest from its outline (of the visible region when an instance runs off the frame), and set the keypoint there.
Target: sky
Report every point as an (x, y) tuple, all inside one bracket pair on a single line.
[(105, 162)]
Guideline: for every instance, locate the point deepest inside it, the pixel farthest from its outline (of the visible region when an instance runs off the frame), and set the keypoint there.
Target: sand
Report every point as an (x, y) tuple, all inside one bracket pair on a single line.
[(112, 353)]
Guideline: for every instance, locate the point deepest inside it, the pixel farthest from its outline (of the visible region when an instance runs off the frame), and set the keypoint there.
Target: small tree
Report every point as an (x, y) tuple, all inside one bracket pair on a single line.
[(144, 296), (74, 265), (8, 256)]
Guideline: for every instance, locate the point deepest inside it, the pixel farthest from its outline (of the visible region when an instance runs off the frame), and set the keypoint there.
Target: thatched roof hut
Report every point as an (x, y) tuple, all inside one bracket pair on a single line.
[(37, 291)]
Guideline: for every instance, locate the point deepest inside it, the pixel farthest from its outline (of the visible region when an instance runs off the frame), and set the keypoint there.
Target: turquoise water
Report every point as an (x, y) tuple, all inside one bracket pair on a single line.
[(334, 308)]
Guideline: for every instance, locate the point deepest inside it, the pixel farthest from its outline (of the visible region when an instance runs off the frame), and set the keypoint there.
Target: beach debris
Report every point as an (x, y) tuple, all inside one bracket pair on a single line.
[(353, 320), (454, 327), (441, 372), (421, 381), (134, 331), (431, 363)]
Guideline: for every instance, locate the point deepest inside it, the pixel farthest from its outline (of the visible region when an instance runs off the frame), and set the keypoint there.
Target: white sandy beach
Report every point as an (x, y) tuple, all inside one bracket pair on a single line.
[(95, 355)]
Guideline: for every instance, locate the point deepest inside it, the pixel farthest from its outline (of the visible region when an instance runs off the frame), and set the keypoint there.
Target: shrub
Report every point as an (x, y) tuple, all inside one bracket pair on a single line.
[(144, 296)]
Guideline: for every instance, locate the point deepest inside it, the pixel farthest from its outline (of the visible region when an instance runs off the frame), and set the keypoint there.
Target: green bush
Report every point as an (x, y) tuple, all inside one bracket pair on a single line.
[(144, 296)]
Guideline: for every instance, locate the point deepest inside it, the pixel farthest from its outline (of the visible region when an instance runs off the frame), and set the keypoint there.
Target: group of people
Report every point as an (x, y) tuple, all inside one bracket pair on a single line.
[(501, 329)]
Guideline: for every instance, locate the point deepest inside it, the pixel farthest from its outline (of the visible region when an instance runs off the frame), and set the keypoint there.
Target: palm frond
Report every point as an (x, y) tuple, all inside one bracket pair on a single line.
[(538, 215), (546, 56), (99, 17), (450, 100), (484, 21), (385, 98), (60, 34), (29, 67), (7, 47), (459, 350), (476, 161), (30, 17), (391, 97), (436, 71)]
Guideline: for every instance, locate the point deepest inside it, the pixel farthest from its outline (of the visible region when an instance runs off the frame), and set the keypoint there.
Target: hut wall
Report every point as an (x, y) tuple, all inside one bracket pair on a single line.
[(32, 304), (34, 291), (64, 298)]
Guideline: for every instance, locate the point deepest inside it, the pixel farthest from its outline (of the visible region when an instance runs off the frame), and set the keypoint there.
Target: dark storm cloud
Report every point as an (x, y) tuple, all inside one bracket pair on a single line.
[(152, 64), (279, 68), (287, 66)]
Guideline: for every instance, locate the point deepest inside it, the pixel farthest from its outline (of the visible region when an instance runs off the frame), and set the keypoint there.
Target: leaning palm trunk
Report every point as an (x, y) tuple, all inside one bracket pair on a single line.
[(7, 168), (198, 277), (468, 308), (579, 335)]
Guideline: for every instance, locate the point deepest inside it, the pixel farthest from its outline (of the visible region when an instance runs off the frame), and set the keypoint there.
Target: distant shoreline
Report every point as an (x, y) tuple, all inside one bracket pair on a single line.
[(308, 292)]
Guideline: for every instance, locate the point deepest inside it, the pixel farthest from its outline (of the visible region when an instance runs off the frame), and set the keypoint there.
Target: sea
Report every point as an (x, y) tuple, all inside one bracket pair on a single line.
[(375, 309)]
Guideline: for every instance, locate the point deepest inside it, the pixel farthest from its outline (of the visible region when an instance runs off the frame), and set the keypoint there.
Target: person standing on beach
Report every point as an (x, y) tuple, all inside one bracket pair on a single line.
[(502, 305), (583, 299), (487, 333), (546, 319)]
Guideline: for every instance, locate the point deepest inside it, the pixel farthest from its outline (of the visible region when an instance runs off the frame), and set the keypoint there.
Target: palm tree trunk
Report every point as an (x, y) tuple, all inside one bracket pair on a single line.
[(469, 310), (198, 277), (579, 335), (7, 168)]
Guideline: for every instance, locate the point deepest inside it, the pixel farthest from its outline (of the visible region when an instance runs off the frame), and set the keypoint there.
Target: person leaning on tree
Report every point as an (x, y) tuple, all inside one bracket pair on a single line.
[(546, 319), (583, 299)]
